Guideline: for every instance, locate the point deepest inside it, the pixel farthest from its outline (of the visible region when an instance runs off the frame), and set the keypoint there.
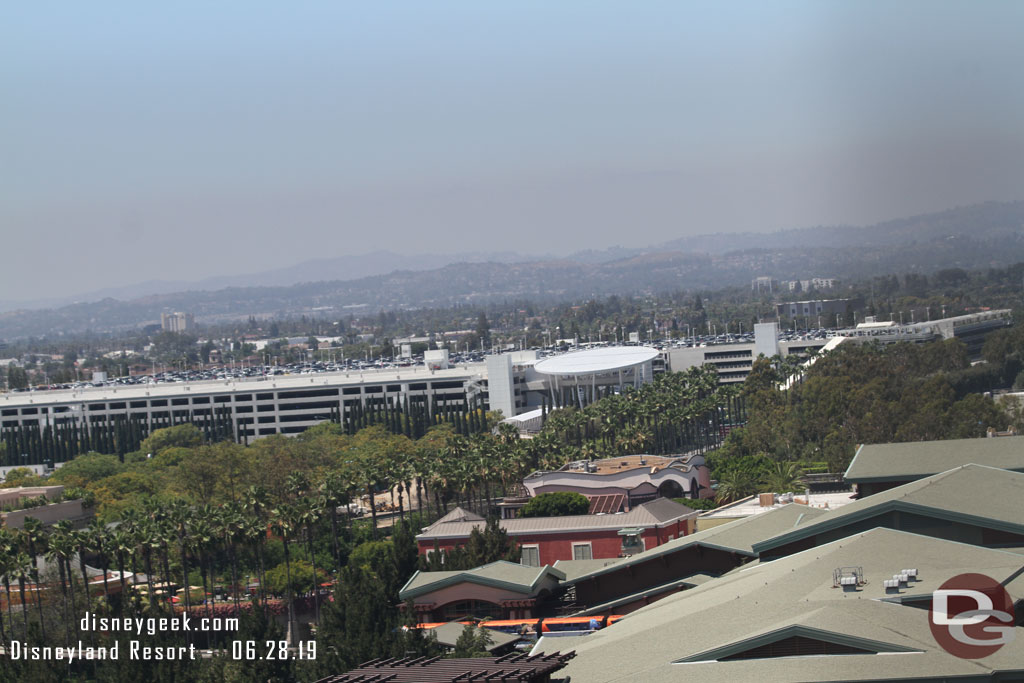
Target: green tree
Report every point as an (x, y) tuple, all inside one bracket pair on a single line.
[(472, 642), (86, 469), (183, 436), (784, 477), (17, 378), (557, 504), (483, 329), (302, 578)]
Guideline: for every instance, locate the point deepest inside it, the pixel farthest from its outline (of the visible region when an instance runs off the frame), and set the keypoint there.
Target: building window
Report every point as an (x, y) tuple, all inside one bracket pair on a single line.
[(530, 555), (632, 542), (470, 608), (582, 551)]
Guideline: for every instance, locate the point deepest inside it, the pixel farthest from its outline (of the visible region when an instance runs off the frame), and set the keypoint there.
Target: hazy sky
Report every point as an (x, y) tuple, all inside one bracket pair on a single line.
[(179, 140)]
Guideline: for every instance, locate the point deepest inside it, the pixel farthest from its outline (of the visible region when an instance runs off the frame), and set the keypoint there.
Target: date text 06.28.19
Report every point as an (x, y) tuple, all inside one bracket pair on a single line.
[(250, 650)]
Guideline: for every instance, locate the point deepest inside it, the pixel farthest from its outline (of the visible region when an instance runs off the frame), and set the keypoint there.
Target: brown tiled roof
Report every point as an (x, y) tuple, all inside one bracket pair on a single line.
[(512, 667), (605, 503)]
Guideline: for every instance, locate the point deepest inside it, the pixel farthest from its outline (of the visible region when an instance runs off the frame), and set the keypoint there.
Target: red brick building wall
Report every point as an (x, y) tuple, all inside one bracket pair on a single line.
[(604, 544)]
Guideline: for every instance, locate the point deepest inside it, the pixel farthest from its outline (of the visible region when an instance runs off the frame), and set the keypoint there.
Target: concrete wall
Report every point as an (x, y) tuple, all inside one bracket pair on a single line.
[(15, 496), (47, 514), (500, 390)]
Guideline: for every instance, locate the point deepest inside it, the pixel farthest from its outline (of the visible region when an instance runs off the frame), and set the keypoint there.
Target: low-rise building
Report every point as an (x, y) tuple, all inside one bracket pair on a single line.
[(18, 504), (636, 478), (624, 585), (880, 467), (545, 540), (802, 309), (824, 614), (499, 590), (971, 504)]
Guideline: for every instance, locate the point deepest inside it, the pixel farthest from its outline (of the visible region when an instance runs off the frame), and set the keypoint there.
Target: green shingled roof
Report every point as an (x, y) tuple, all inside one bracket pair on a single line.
[(501, 574), (682, 636), (972, 494), (916, 459), (738, 537)]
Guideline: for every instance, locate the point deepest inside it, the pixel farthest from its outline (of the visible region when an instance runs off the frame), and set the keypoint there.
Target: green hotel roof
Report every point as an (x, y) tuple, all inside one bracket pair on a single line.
[(738, 537), (972, 494), (504, 575), (682, 637), (916, 459)]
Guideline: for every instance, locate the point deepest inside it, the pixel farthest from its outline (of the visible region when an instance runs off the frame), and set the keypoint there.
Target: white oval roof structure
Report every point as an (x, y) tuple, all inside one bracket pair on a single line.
[(596, 361)]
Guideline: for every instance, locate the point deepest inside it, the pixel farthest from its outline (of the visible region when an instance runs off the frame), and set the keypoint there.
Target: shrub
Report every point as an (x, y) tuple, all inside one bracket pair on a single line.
[(698, 503), (558, 504)]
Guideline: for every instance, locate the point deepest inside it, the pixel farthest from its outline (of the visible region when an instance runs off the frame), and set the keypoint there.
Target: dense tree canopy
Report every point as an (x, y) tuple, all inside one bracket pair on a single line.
[(556, 504)]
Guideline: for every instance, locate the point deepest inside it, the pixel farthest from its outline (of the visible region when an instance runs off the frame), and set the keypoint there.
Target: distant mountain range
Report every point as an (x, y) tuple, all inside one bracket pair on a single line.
[(349, 267), (978, 236)]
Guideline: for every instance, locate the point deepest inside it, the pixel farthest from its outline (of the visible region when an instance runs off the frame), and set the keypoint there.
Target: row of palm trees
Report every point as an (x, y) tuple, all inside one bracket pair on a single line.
[(166, 542), (169, 541), (677, 412), (226, 544)]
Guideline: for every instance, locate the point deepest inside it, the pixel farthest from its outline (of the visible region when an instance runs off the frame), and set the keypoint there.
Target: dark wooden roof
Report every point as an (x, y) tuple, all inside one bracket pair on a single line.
[(606, 503), (513, 667)]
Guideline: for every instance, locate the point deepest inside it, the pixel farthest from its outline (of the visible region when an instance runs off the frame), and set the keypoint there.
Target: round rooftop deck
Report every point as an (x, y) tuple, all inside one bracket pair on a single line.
[(596, 361)]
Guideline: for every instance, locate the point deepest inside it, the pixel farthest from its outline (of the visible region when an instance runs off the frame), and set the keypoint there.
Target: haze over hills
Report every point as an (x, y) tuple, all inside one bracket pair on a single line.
[(347, 267), (977, 236)]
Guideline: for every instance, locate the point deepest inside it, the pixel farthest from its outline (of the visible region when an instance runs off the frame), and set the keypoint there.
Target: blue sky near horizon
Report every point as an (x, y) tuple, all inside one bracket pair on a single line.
[(220, 138)]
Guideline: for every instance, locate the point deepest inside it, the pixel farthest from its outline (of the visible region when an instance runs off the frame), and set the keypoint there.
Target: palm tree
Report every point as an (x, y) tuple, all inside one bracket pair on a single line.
[(7, 550), (21, 567), (200, 538), (455, 450), (83, 544), (735, 484), (145, 533), (33, 538), (60, 552), (309, 513), (101, 543), (372, 468), (64, 534), (784, 478), (329, 498), (179, 515), (228, 525), (255, 501), (254, 531), (284, 518), (120, 542)]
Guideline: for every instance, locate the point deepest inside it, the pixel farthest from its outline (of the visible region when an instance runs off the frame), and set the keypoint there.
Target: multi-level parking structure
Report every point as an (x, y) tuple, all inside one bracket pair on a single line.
[(286, 404)]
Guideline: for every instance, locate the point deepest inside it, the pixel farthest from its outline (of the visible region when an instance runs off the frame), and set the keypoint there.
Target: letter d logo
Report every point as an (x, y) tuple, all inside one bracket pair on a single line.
[(971, 616)]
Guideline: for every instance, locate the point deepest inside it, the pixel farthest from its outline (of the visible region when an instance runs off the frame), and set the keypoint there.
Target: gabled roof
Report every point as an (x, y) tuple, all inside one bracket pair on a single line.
[(913, 460), (797, 630), (657, 512), (504, 575), (448, 634), (737, 537), (460, 515), (689, 582), (511, 667), (574, 568), (971, 494), (674, 639)]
